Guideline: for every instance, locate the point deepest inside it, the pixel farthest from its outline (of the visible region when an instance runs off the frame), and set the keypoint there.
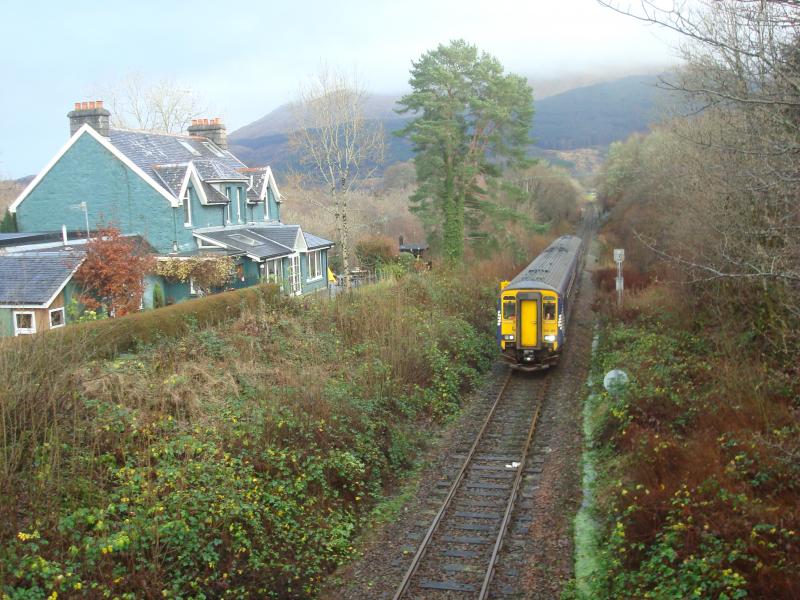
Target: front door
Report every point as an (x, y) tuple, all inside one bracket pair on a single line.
[(294, 273), (529, 323)]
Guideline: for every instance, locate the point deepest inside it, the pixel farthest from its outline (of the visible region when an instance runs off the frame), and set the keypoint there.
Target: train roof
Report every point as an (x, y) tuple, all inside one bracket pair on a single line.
[(552, 269)]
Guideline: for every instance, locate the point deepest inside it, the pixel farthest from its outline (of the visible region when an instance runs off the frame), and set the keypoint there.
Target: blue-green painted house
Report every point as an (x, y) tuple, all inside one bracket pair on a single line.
[(186, 195)]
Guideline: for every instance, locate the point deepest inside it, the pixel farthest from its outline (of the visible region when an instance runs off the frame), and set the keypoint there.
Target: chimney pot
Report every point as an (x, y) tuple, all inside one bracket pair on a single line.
[(90, 113), (213, 129)]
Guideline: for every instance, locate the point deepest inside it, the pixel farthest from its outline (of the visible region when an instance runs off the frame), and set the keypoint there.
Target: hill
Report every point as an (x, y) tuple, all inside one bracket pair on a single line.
[(589, 116), (598, 114)]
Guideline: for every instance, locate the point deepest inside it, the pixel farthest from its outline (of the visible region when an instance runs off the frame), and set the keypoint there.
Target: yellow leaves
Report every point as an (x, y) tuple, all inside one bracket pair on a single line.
[(24, 537)]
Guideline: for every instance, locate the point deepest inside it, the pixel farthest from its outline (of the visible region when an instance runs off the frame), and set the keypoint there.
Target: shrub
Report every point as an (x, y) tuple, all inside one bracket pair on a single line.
[(228, 446)]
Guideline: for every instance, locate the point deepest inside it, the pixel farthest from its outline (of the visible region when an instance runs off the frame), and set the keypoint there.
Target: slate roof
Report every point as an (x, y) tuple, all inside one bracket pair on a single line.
[(165, 157), (213, 195), (256, 177), (313, 241), (34, 278), (171, 177), (262, 241)]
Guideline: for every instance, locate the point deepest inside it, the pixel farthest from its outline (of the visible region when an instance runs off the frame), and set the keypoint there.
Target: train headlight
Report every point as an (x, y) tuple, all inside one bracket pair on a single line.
[(550, 338), (509, 337)]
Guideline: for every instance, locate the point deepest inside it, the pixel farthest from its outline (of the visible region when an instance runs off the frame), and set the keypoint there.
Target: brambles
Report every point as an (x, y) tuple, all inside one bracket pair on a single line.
[(234, 459)]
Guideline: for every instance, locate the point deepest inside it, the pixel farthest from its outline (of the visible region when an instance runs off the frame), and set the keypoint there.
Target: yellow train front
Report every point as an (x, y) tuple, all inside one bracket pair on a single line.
[(533, 308)]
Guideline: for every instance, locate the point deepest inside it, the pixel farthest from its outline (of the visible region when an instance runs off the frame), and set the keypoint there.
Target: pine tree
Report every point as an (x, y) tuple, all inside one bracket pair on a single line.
[(472, 121)]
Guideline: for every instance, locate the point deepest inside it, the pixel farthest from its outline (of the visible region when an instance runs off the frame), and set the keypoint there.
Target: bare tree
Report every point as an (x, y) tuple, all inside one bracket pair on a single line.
[(165, 106), (334, 137), (742, 74)]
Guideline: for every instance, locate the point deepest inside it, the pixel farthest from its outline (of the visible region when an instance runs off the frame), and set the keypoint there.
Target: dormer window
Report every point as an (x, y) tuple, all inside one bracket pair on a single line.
[(189, 147)]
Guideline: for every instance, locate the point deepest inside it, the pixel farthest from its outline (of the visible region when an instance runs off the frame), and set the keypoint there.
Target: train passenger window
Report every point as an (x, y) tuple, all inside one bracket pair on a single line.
[(509, 308), (549, 310)]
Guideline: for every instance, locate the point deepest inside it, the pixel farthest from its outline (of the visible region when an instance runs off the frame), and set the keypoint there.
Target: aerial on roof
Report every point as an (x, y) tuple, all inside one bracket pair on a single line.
[(35, 278)]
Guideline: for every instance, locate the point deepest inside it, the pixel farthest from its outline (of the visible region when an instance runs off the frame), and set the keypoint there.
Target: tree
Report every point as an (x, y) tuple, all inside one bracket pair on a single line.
[(112, 274), (742, 75), (8, 224), (335, 138), (472, 120), (165, 106)]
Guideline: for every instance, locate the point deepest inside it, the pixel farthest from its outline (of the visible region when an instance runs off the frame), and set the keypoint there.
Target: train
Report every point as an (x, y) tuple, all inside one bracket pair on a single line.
[(533, 308)]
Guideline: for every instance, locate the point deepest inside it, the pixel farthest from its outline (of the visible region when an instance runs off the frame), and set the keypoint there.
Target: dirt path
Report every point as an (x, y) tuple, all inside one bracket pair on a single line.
[(540, 548)]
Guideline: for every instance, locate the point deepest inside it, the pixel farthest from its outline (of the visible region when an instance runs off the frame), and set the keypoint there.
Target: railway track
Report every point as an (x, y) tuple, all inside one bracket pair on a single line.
[(458, 555)]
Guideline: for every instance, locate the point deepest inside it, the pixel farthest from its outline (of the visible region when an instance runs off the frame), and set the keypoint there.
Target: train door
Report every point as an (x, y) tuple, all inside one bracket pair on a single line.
[(529, 321)]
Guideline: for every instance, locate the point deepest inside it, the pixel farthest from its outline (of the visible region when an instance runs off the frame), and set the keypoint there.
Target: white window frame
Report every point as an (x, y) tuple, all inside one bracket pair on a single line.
[(294, 274), (63, 317), (230, 201), (315, 259), (24, 330), (192, 290), (239, 204), (187, 203), (273, 267)]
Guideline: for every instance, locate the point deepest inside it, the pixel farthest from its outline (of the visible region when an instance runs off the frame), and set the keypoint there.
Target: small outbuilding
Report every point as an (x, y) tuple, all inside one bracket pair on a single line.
[(416, 249), (35, 289)]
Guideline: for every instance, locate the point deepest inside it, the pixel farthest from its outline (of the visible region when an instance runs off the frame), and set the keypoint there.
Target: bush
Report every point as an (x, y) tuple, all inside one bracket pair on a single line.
[(375, 251), (228, 446)]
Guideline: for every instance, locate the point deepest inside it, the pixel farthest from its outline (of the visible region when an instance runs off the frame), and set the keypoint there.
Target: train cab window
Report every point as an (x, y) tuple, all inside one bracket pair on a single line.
[(509, 307), (549, 310)]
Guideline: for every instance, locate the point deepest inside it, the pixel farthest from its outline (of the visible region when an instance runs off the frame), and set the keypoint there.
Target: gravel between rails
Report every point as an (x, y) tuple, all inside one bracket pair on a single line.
[(537, 557)]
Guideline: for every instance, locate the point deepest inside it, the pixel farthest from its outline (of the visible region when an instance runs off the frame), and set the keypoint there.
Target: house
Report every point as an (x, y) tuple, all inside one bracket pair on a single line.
[(186, 195), (35, 289)]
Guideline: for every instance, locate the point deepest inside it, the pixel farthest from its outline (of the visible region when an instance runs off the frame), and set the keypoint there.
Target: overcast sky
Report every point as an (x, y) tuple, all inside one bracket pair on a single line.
[(246, 58)]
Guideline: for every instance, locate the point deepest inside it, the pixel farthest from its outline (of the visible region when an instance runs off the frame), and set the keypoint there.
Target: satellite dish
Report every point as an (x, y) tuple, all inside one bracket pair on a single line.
[(615, 382)]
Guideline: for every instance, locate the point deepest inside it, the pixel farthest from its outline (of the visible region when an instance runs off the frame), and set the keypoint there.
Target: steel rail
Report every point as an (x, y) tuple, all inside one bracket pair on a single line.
[(487, 580), (415, 562)]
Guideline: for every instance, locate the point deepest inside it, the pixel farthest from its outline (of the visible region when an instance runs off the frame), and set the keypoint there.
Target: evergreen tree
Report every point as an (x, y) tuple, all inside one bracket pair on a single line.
[(472, 121), (9, 223)]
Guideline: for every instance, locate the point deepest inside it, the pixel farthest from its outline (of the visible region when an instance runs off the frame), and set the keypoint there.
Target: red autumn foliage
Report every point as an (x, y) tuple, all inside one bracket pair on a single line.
[(112, 275)]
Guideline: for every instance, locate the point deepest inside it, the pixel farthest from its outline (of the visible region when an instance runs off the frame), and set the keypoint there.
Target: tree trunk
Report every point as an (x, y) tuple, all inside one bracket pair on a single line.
[(344, 237), (453, 228)]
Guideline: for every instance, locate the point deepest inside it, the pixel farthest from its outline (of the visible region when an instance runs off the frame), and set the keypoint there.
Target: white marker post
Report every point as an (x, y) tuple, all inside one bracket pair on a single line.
[(619, 257)]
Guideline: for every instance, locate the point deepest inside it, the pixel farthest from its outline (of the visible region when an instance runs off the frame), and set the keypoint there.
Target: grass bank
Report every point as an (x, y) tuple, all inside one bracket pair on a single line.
[(698, 483), (230, 459)]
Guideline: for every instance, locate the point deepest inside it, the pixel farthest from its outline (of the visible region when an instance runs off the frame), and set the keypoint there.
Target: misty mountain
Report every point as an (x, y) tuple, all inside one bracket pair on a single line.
[(589, 116)]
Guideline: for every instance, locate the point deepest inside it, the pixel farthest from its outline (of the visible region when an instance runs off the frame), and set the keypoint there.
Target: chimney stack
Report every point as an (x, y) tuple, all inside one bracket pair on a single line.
[(91, 112), (213, 129)]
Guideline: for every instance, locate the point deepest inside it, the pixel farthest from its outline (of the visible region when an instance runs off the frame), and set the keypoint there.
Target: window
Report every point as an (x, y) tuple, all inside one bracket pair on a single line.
[(273, 272), (509, 307), (24, 323), (192, 289), (239, 204), (189, 147), (245, 239), (187, 208), (549, 311), (57, 318), (213, 149), (314, 265)]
